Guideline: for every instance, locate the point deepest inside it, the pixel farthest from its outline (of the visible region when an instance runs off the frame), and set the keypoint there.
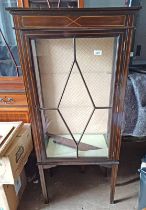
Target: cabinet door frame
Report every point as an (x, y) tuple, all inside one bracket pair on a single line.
[(114, 148)]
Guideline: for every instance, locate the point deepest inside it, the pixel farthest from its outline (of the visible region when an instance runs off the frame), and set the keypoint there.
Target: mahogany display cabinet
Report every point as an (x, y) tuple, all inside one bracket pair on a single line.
[(75, 66)]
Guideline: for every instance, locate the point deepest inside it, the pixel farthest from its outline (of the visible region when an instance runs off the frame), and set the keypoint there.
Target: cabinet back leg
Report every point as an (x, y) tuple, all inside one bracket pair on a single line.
[(114, 173), (43, 184)]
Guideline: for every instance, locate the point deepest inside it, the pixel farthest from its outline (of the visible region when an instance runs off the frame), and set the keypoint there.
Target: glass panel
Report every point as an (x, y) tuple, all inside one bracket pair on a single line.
[(55, 58), (87, 3), (96, 135), (59, 142), (97, 70), (75, 79), (53, 3), (76, 105), (9, 61), (110, 3)]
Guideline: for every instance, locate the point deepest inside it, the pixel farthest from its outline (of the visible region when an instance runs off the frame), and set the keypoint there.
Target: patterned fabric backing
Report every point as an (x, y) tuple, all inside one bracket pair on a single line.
[(55, 60)]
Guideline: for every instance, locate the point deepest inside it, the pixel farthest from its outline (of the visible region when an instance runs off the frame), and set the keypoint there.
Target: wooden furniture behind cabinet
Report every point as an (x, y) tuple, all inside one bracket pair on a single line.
[(75, 65), (13, 102)]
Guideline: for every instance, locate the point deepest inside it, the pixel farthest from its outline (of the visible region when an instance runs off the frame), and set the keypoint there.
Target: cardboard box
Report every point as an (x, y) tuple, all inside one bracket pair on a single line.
[(8, 133), (10, 195), (13, 161)]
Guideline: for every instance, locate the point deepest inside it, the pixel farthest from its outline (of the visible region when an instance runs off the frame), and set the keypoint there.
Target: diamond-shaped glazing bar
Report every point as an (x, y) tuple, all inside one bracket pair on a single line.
[(80, 72), (66, 84), (66, 126), (86, 126)]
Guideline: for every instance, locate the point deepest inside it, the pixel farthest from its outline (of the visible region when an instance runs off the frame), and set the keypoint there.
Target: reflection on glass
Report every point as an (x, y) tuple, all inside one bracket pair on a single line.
[(9, 60), (86, 3), (107, 3), (53, 3), (75, 84)]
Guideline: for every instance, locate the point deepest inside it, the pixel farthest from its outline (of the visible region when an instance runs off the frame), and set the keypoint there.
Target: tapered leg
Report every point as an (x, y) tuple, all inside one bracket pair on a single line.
[(51, 172), (43, 184), (82, 169), (105, 170), (114, 173)]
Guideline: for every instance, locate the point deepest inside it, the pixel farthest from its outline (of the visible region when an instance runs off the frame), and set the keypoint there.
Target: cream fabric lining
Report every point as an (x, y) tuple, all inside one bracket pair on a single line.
[(55, 58), (77, 120)]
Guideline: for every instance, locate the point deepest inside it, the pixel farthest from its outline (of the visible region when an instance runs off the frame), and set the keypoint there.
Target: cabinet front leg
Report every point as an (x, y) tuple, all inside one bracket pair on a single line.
[(43, 184), (114, 173)]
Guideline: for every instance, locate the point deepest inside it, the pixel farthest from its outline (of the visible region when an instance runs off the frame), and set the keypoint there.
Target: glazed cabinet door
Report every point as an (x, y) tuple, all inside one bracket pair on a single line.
[(75, 79)]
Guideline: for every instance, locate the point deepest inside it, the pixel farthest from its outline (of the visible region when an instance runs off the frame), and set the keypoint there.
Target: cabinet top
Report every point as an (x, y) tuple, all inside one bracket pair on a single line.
[(73, 11), (74, 18)]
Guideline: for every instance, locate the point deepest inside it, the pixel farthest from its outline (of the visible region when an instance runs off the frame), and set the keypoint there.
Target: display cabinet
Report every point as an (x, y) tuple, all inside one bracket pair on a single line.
[(75, 65)]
